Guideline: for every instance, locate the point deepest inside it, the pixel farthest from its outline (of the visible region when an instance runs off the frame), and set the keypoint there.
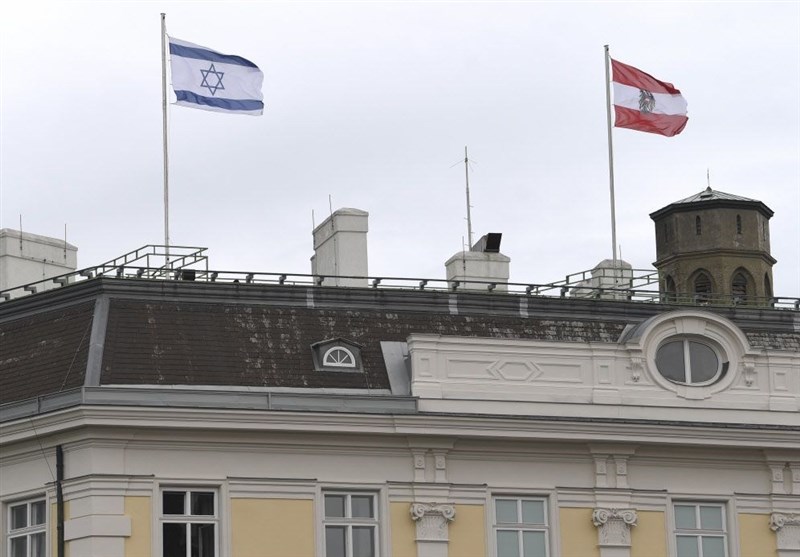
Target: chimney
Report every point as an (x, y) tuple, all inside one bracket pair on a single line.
[(27, 258), (483, 262), (606, 282), (340, 248)]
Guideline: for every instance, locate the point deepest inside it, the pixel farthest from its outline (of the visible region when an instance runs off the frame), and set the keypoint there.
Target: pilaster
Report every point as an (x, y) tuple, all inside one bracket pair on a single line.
[(787, 527), (432, 533), (614, 531)]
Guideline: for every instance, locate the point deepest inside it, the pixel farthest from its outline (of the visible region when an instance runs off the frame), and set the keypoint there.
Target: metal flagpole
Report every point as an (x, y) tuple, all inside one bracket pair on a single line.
[(469, 217), (611, 167), (164, 129)]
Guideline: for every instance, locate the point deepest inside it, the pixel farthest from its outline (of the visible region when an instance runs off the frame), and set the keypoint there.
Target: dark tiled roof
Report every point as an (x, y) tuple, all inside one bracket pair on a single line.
[(712, 198), (708, 195), (45, 352), (255, 345), (179, 333)]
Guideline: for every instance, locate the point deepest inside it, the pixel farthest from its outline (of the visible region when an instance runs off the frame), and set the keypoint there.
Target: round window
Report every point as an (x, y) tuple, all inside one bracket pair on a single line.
[(690, 362)]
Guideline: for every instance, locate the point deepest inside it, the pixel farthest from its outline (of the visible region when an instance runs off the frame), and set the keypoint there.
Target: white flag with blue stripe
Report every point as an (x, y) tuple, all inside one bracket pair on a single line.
[(206, 79)]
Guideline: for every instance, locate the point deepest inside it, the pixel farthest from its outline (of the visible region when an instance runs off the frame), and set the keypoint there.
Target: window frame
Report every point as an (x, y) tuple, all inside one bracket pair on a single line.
[(348, 521), (29, 530), (189, 519), (699, 533), (519, 527), (353, 362)]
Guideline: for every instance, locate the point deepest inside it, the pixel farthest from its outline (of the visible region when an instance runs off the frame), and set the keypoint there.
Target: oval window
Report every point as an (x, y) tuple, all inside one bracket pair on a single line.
[(689, 362)]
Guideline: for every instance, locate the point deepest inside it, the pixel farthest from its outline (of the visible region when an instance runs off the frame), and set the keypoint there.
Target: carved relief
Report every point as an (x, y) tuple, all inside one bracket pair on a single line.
[(614, 526), (432, 520), (600, 471), (787, 528), (749, 373), (621, 464), (637, 367)]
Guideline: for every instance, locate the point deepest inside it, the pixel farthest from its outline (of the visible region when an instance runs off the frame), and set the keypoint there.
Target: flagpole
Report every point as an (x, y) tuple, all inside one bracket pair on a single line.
[(469, 216), (611, 167), (164, 129)]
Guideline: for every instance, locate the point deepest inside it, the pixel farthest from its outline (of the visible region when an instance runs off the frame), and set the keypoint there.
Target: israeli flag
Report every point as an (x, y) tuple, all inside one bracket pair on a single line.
[(206, 79)]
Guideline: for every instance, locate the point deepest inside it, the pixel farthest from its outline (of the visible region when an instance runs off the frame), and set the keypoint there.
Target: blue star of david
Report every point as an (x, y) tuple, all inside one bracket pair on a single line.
[(212, 87)]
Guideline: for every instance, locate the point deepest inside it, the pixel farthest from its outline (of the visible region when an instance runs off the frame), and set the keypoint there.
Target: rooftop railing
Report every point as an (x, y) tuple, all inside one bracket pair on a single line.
[(190, 264)]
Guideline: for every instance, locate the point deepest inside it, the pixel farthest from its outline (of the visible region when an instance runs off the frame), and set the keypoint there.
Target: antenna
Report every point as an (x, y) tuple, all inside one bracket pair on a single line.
[(708, 177), (469, 216), (20, 233), (65, 242)]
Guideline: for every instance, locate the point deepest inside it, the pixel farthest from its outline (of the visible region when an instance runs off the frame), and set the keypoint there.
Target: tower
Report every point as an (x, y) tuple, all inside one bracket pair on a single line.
[(714, 247)]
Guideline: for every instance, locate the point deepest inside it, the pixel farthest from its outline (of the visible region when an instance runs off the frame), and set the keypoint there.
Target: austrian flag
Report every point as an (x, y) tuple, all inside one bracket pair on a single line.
[(641, 102)]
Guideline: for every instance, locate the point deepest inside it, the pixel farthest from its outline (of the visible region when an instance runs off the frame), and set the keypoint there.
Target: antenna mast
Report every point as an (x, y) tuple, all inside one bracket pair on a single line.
[(469, 217)]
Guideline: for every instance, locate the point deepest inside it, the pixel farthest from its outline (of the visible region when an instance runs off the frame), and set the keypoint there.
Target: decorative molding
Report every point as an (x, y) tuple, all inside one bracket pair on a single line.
[(601, 470), (777, 478), (749, 373), (621, 467), (787, 528), (419, 465), (614, 526), (794, 468), (637, 368), (432, 520), (440, 466)]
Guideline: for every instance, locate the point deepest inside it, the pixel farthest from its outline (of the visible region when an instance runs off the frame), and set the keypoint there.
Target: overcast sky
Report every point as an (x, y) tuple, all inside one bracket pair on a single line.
[(372, 103)]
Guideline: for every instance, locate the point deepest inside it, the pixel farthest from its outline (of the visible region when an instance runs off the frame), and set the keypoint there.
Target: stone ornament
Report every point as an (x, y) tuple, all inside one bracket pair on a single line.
[(787, 528), (614, 526), (432, 520)]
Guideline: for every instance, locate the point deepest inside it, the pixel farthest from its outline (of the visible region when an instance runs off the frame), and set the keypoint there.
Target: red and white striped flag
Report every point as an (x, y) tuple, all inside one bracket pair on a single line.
[(641, 102)]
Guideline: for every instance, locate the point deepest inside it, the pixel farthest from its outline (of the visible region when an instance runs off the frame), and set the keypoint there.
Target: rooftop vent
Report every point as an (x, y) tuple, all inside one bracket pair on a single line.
[(489, 243)]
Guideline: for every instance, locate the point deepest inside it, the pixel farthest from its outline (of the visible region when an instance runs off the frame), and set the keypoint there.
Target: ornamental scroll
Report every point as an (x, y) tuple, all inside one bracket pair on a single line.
[(787, 527), (614, 526), (432, 520)]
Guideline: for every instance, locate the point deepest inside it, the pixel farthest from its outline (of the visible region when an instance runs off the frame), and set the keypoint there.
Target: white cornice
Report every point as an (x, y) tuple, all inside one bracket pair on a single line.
[(142, 419)]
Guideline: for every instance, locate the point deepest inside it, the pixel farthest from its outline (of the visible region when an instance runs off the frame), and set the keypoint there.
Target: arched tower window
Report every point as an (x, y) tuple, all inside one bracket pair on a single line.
[(739, 287), (767, 286), (738, 224), (669, 286), (698, 226), (702, 287)]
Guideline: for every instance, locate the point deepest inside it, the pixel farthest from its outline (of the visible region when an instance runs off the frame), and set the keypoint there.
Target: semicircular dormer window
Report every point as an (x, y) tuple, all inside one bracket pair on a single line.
[(339, 356)]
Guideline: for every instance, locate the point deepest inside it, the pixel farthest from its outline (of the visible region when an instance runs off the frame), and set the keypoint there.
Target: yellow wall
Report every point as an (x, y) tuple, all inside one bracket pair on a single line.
[(578, 533), (404, 531), (649, 536), (140, 542), (755, 537), (54, 528), (272, 528), (467, 532)]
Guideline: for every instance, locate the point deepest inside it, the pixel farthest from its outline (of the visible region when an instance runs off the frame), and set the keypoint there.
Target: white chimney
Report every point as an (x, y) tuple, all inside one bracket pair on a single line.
[(607, 282), (27, 258), (483, 263), (340, 248)]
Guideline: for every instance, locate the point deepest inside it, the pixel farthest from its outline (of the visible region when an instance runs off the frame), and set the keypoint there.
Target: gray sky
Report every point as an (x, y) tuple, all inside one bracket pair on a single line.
[(373, 103)]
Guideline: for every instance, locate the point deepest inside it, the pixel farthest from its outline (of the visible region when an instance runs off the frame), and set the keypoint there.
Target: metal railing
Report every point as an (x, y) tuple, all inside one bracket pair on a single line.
[(183, 263)]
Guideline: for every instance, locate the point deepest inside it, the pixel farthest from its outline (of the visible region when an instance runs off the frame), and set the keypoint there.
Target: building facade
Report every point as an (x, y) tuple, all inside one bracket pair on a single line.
[(199, 414)]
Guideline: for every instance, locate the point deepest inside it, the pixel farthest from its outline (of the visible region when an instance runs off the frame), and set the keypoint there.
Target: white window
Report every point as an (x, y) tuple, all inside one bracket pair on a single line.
[(700, 530), (520, 526), (339, 356), (27, 529), (351, 524), (189, 522)]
